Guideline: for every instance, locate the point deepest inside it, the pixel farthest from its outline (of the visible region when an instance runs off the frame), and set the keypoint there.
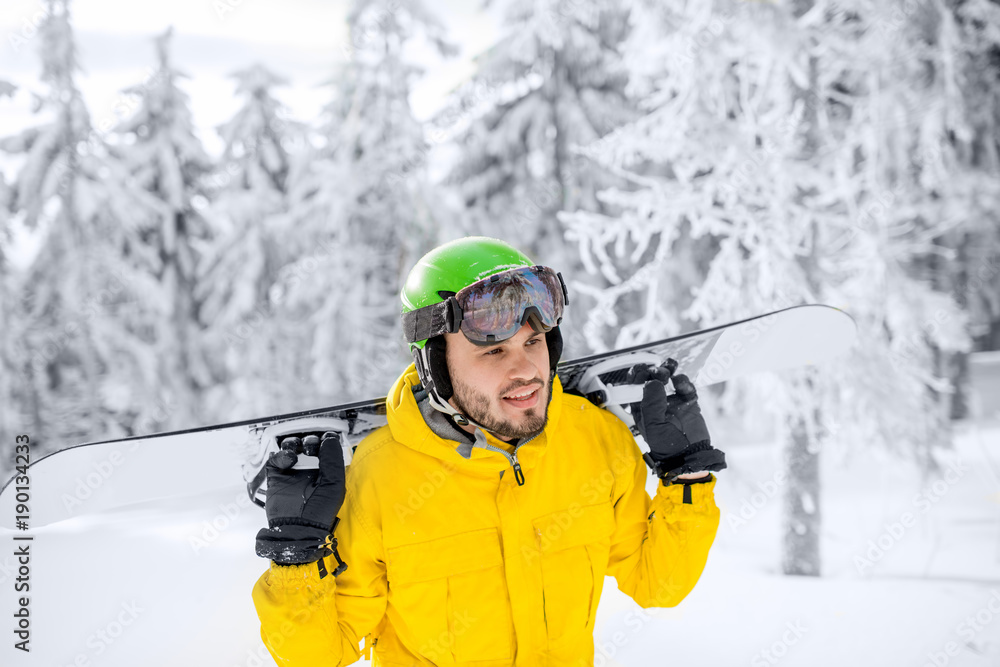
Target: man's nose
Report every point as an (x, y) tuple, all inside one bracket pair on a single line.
[(521, 366)]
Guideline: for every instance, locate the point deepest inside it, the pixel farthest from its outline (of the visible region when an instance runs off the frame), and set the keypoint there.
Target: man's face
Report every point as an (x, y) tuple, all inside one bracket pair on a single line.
[(503, 387)]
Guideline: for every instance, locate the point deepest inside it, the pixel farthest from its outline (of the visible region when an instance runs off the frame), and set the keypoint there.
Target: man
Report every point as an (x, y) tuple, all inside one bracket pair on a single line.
[(479, 524)]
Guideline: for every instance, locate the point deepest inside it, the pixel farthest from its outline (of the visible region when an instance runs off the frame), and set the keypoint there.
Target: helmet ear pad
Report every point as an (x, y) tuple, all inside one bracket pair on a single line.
[(554, 341), (438, 366)]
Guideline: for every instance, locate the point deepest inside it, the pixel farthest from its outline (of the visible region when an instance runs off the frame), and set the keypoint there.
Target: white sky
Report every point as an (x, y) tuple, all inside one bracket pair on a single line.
[(302, 40)]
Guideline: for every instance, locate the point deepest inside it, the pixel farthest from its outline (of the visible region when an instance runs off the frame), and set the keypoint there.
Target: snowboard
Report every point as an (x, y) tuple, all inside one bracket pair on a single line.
[(106, 476)]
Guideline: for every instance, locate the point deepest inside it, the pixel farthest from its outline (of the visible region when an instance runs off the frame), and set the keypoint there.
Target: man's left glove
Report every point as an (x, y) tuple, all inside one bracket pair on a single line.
[(302, 505), (672, 426)]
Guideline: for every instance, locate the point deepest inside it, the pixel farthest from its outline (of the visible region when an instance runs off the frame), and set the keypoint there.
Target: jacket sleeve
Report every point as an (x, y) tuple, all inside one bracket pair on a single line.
[(306, 620), (659, 546)]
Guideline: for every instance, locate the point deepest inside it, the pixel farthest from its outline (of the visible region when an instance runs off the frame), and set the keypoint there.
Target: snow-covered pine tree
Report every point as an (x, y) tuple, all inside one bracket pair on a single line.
[(78, 314), (972, 273), (247, 190), (554, 82), (361, 212), (165, 160), (810, 142)]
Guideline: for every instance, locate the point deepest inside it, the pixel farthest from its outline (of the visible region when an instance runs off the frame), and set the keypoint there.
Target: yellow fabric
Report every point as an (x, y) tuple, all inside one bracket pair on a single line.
[(451, 562)]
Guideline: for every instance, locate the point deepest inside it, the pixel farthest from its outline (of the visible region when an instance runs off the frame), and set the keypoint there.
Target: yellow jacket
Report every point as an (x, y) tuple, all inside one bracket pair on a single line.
[(451, 562)]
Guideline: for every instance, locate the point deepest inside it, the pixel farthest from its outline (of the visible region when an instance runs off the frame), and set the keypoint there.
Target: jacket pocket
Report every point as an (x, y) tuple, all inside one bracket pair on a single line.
[(573, 545), (452, 595)]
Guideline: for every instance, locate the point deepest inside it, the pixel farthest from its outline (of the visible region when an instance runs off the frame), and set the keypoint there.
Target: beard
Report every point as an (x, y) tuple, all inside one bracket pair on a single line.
[(478, 407)]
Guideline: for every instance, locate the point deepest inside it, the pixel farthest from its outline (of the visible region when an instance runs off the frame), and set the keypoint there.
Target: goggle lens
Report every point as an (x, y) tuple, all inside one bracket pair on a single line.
[(495, 308)]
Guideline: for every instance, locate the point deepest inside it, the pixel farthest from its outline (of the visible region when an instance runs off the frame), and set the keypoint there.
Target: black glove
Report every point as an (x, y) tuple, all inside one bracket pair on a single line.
[(302, 505), (672, 425)]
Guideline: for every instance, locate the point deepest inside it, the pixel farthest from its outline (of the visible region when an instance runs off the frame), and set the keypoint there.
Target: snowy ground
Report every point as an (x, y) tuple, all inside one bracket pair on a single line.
[(134, 589), (908, 607)]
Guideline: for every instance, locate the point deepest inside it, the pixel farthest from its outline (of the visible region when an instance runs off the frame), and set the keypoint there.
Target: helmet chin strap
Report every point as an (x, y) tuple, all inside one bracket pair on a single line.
[(444, 406), (425, 363)]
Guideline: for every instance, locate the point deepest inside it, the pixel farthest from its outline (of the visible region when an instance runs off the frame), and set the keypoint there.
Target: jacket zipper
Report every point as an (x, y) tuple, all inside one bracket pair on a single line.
[(518, 473)]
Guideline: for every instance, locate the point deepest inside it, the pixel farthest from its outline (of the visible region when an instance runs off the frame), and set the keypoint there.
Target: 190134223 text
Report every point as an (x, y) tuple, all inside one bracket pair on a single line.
[(22, 544)]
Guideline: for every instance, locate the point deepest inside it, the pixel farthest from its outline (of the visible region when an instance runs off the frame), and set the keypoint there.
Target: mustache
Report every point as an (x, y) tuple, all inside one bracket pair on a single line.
[(538, 382)]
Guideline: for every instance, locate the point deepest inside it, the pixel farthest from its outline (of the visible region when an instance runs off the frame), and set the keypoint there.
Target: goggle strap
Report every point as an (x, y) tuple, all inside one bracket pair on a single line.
[(432, 320), (562, 283)]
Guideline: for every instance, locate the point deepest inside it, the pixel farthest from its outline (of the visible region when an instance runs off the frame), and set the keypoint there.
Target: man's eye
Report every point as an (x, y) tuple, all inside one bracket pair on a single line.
[(492, 353), (533, 341)]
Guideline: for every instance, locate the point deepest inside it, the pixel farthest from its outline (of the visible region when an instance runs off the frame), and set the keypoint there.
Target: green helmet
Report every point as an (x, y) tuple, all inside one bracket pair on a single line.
[(454, 265), (442, 273)]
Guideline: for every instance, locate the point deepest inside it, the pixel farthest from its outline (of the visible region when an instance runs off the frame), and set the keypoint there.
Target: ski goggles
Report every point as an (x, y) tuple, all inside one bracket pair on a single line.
[(494, 308)]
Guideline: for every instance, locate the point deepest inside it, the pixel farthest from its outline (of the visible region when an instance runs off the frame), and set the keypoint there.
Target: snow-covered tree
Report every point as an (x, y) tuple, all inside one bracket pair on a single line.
[(80, 362), (247, 190), (553, 83), (816, 145), (165, 160), (362, 212), (972, 273)]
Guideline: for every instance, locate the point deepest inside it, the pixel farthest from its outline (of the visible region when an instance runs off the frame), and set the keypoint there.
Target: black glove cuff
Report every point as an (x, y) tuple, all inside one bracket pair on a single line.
[(699, 457), (299, 542), (293, 544)]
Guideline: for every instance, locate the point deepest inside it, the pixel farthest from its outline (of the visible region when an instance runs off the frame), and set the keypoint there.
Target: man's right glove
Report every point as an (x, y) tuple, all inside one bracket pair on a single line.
[(672, 426), (302, 505)]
